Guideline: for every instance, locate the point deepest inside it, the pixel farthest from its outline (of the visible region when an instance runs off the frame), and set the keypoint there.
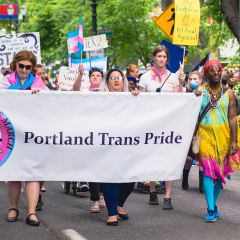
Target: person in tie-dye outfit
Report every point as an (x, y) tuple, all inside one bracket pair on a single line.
[(218, 154)]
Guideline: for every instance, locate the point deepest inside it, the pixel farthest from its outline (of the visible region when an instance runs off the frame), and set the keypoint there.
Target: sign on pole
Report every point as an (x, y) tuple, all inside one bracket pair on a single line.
[(181, 21), (10, 44), (187, 22), (166, 21), (95, 42)]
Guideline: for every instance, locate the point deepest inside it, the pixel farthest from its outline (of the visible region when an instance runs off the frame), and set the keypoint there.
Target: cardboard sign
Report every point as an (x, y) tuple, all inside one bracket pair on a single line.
[(95, 42), (10, 44), (187, 22), (67, 77)]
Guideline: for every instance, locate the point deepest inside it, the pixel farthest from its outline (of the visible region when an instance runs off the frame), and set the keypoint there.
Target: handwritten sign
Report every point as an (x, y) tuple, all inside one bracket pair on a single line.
[(67, 77), (187, 22), (10, 44), (95, 42)]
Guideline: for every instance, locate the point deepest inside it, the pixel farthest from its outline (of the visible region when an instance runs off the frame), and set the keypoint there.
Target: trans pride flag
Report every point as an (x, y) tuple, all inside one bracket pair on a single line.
[(72, 42), (75, 39), (80, 35)]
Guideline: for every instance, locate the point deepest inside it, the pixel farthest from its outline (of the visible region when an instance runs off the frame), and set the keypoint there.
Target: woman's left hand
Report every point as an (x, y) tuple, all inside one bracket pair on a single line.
[(197, 92), (135, 92), (35, 90), (234, 148)]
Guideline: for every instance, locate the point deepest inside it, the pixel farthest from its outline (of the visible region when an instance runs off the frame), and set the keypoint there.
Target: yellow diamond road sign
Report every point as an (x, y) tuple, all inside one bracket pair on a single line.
[(166, 21)]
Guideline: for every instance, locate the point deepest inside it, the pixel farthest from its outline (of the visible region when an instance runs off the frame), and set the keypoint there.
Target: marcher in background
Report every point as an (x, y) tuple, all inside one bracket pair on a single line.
[(160, 79), (132, 83), (132, 71), (96, 195), (23, 78), (218, 154), (195, 81), (95, 78)]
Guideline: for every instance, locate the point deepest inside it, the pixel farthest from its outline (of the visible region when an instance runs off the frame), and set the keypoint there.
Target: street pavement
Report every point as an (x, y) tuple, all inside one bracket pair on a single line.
[(65, 216)]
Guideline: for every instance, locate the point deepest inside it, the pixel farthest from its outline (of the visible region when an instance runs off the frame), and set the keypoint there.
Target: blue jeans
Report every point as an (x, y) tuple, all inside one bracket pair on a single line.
[(115, 194)]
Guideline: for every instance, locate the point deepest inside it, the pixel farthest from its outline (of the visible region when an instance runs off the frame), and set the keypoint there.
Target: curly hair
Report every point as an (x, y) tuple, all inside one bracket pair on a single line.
[(23, 55)]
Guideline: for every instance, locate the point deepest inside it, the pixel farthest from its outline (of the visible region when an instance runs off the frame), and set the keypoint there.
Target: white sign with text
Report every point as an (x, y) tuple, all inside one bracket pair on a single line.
[(95, 42), (10, 44), (95, 136)]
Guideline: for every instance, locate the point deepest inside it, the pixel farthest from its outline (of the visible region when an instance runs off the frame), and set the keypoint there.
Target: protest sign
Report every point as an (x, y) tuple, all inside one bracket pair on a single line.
[(187, 22), (95, 42), (10, 44), (95, 136)]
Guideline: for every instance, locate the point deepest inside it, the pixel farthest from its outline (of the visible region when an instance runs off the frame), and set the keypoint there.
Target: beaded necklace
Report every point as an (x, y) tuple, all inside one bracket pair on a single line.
[(214, 95)]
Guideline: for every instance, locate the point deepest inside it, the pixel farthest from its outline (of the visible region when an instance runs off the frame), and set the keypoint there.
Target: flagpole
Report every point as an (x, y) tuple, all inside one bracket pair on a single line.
[(184, 50)]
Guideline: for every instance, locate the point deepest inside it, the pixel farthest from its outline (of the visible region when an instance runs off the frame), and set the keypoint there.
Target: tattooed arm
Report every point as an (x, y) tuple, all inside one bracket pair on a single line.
[(232, 118)]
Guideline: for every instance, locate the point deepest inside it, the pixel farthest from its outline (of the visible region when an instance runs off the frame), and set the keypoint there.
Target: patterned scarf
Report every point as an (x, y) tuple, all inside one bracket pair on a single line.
[(157, 73), (26, 85)]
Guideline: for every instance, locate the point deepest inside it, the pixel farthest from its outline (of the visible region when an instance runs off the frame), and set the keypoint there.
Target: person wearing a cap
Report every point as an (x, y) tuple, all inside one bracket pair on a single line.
[(218, 153)]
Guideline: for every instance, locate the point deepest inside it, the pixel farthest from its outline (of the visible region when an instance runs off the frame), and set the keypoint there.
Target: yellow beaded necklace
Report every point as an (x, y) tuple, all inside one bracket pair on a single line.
[(215, 94)]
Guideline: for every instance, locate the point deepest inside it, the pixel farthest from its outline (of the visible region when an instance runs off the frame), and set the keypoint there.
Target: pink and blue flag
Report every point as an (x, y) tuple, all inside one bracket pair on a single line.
[(72, 42), (80, 35)]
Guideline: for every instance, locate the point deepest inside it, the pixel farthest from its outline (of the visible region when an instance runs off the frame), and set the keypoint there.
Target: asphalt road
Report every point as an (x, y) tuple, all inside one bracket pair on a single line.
[(68, 217)]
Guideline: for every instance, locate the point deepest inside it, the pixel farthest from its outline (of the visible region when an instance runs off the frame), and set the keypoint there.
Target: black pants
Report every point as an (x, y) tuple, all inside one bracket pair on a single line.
[(94, 189)]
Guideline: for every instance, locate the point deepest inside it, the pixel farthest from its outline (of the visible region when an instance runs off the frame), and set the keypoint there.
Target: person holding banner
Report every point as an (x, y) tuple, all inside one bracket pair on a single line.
[(23, 78), (95, 78), (219, 151), (116, 194), (160, 79)]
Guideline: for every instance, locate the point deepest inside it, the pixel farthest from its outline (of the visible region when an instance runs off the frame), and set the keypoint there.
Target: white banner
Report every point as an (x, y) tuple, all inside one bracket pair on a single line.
[(95, 42), (95, 137), (10, 44)]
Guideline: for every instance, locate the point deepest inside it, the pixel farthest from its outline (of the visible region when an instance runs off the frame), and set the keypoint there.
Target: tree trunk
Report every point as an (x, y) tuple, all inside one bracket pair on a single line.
[(230, 8)]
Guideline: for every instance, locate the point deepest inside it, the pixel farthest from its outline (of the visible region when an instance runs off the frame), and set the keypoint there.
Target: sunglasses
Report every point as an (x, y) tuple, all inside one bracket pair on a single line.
[(22, 66)]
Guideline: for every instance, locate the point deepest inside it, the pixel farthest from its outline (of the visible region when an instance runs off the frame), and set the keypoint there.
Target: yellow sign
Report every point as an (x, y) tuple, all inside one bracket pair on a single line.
[(187, 22), (166, 21)]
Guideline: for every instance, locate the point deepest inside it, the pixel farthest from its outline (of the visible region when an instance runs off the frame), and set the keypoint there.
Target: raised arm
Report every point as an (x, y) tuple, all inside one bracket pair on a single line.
[(78, 81)]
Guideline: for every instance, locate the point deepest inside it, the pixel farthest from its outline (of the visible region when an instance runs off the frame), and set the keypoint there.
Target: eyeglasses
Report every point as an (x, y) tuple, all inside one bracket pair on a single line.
[(116, 78), (22, 66)]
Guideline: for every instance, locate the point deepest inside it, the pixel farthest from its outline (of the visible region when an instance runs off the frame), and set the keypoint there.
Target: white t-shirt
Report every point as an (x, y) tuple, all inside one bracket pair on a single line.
[(150, 85)]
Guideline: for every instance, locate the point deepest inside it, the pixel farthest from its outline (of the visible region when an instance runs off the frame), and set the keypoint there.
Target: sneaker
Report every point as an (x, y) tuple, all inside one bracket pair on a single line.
[(210, 217), (83, 187), (217, 214), (95, 208), (43, 189), (167, 205), (153, 200), (102, 203)]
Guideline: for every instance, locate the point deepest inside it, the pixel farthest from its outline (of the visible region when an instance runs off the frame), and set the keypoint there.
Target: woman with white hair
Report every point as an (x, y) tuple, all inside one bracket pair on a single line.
[(115, 194)]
